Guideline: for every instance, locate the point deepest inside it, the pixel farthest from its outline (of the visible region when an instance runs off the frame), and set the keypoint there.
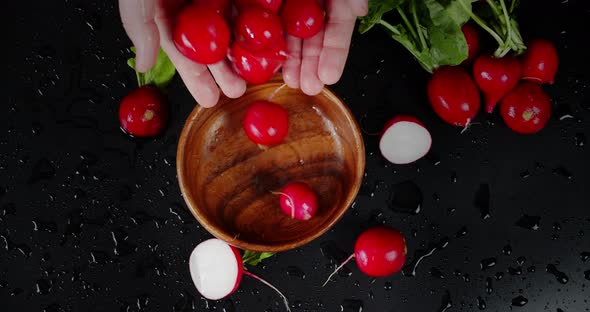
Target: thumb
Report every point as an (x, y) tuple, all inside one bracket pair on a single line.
[(138, 21)]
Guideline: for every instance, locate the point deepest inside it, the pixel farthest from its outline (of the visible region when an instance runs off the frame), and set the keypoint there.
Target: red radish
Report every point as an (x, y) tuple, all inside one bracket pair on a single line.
[(539, 63), (495, 77), (257, 68), (266, 123), (143, 112), (453, 95), (472, 39), (258, 29), (273, 5), (298, 200), (379, 251), (302, 18), (526, 109), (216, 270), (201, 35), (404, 140), (221, 7)]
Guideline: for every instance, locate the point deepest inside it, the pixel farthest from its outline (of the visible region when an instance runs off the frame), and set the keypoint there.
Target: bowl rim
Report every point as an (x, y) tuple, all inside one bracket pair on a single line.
[(235, 241)]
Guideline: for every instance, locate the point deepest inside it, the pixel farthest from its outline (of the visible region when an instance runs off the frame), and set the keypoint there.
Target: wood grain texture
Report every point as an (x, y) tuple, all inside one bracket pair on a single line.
[(226, 180)]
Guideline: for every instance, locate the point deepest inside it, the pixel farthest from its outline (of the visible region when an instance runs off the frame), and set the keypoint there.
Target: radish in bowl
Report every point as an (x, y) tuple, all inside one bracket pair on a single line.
[(404, 140)]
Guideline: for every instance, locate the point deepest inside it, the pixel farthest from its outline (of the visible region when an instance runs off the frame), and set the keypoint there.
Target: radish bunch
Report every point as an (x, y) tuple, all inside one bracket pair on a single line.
[(216, 269), (203, 34), (508, 80)]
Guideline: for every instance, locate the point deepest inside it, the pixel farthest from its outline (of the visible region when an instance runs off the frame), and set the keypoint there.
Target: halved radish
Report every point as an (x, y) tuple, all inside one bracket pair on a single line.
[(404, 140), (216, 270)]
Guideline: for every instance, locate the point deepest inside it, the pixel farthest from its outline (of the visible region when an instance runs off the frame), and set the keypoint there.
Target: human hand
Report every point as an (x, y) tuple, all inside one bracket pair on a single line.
[(320, 59), (149, 25)]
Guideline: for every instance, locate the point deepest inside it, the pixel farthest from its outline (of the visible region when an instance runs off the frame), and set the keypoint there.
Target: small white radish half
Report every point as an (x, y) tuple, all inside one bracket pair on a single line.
[(216, 268), (404, 140)]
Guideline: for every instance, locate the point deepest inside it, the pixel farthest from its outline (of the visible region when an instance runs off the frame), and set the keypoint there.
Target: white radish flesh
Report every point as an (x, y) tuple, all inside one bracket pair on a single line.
[(404, 140)]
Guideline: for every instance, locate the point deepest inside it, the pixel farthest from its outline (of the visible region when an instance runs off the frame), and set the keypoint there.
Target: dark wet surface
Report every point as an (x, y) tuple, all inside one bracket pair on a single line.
[(92, 220)]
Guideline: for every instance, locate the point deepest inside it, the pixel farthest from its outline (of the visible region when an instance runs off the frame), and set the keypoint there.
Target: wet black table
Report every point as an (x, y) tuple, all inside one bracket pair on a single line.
[(91, 220)]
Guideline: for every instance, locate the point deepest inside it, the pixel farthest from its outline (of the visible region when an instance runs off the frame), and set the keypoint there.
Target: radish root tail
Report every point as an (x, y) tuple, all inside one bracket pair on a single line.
[(256, 277), (338, 269), (272, 95), (290, 200)]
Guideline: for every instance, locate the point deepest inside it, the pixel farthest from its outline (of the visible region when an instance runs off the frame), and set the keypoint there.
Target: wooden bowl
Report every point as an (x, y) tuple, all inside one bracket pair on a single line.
[(226, 180)]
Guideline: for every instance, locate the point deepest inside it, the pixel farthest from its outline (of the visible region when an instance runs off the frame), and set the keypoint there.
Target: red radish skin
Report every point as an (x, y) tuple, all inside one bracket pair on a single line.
[(453, 95), (143, 112), (266, 123), (526, 109), (298, 201), (472, 39), (495, 77), (257, 68), (216, 269), (404, 140), (258, 29), (273, 5), (201, 35), (540, 62), (221, 7), (379, 251), (302, 18)]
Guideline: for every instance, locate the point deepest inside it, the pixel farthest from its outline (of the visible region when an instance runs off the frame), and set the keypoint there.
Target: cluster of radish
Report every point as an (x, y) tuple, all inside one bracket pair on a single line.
[(203, 34), (266, 124), (509, 80)]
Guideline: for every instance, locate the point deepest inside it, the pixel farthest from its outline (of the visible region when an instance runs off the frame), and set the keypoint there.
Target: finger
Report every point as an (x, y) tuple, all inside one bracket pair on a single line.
[(196, 77), (292, 66), (138, 21), (359, 7), (336, 44), (230, 83), (310, 81)]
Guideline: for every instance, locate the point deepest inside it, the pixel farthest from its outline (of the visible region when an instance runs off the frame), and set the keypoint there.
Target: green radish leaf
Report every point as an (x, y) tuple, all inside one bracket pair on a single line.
[(254, 258), (159, 75), (375, 14)]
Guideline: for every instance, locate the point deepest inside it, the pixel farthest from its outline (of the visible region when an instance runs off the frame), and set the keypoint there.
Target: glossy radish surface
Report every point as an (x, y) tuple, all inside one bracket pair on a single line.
[(472, 39), (257, 68), (526, 109), (404, 140), (266, 123), (201, 34), (302, 18), (258, 29), (453, 95), (380, 251), (216, 268), (143, 112), (540, 62), (298, 201), (495, 77), (221, 7), (273, 5)]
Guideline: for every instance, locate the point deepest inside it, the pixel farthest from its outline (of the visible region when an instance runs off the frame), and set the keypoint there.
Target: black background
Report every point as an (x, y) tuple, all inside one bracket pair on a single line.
[(91, 220)]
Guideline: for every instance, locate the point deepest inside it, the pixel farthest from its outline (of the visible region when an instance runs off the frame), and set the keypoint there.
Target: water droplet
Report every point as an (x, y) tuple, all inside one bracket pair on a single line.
[(15, 292), (587, 274), (515, 271), (462, 232), (556, 226), (529, 222), (42, 170), (185, 303), (507, 250), (580, 139), (519, 301), (520, 261), (525, 174), (499, 275), (122, 247), (482, 200), (559, 276), (531, 269), (487, 263), (8, 209), (489, 287), (446, 302), (481, 304), (433, 158), (585, 256), (419, 255), (387, 286), (562, 172), (435, 272), (43, 287), (351, 305), (36, 128), (454, 177), (295, 272), (405, 197)]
